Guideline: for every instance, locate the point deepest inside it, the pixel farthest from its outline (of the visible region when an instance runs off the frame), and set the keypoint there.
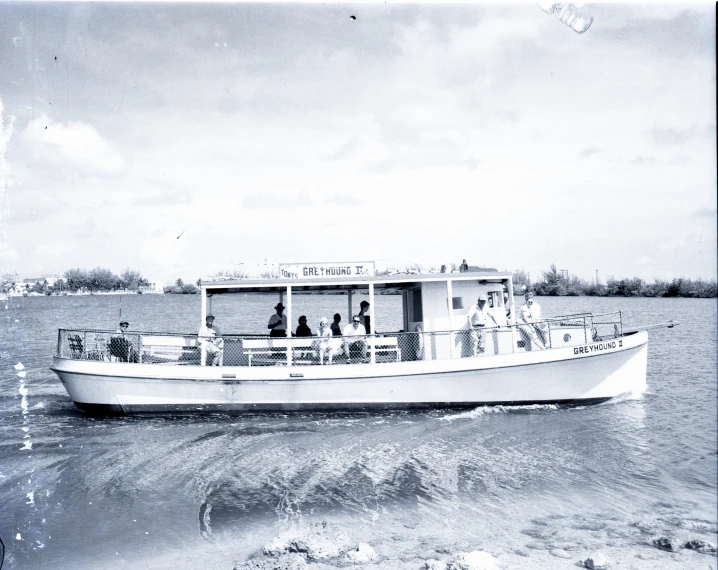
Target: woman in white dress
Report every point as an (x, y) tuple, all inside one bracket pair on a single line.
[(325, 343)]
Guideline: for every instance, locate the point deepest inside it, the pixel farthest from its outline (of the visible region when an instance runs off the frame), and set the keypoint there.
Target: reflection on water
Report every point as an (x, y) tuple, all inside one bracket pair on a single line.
[(527, 484)]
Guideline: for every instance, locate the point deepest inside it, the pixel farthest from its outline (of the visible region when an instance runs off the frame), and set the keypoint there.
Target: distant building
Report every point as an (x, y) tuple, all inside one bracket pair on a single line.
[(51, 280), (153, 287)]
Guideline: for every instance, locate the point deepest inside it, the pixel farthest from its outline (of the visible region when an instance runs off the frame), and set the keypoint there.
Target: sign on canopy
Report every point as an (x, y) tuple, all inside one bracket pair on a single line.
[(323, 270)]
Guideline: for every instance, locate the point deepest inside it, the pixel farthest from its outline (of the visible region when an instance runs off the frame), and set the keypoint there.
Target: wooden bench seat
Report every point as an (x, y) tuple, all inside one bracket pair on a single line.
[(303, 345), (274, 345), (175, 348), (384, 344)]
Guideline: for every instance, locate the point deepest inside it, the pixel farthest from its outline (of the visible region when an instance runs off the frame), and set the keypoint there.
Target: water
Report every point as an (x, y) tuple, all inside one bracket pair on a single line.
[(538, 488)]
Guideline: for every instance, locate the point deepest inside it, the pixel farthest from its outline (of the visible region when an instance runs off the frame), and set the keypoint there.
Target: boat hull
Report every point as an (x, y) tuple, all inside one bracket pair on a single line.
[(573, 375)]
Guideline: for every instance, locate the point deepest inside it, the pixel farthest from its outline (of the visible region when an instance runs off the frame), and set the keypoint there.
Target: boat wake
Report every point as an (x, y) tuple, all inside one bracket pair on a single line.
[(625, 397), (484, 410)]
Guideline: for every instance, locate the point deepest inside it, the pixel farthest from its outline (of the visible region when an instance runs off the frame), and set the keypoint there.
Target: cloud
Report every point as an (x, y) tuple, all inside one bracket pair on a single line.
[(589, 151), (678, 136), (166, 198), (75, 144), (643, 160), (272, 201), (347, 150), (56, 249), (704, 214), (7, 253), (343, 200)]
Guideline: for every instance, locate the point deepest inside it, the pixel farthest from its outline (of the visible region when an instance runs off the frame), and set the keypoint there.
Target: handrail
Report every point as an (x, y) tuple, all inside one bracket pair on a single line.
[(141, 347)]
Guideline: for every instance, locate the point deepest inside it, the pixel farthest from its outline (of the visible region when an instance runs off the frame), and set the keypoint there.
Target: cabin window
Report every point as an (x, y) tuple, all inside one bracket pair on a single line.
[(494, 299), (457, 302)]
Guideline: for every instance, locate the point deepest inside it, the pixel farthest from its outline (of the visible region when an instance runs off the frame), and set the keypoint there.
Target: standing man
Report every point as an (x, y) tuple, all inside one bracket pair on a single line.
[(478, 317), (278, 322), (364, 316), (532, 331), (211, 338)]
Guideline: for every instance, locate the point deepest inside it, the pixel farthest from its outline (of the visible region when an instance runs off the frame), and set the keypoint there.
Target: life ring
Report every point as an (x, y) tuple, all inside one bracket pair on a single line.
[(420, 342)]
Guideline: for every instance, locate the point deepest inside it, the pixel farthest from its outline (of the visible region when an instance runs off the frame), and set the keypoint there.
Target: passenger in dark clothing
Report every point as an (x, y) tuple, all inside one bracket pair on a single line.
[(364, 317), (336, 329), (303, 329)]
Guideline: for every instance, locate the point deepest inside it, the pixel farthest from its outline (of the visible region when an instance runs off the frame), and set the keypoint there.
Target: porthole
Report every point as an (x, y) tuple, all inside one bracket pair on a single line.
[(566, 337)]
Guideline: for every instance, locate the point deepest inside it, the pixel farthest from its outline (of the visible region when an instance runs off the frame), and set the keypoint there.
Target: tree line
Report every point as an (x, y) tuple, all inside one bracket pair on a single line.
[(555, 283)]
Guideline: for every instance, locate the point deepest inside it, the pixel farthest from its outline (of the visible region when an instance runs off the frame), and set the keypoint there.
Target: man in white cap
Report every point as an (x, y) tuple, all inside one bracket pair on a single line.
[(478, 318), (211, 339), (278, 322)]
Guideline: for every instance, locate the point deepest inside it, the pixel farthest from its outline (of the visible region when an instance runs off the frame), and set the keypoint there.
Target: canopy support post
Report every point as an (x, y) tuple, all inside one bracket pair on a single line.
[(289, 325), (512, 324), (371, 320), (450, 303), (203, 349)]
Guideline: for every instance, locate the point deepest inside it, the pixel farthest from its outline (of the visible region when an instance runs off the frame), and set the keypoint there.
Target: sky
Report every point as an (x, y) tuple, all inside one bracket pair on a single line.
[(181, 139)]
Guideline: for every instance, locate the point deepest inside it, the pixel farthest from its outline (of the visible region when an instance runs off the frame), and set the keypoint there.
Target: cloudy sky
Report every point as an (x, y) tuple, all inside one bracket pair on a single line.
[(413, 133)]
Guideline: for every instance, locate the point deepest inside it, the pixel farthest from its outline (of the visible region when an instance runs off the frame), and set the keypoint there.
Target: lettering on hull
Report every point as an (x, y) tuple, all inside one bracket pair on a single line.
[(598, 347)]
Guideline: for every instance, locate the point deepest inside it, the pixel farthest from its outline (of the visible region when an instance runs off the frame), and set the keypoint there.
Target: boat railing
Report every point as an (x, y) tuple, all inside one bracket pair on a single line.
[(261, 350)]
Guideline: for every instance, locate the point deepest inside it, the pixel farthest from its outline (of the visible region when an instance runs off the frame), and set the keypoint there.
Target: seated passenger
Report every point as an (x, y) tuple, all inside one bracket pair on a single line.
[(121, 347), (211, 339), (303, 329), (325, 343), (354, 330), (336, 330)]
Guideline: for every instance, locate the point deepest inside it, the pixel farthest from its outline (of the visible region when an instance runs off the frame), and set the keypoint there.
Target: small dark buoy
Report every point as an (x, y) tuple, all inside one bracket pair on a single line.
[(353, 17), (55, 58)]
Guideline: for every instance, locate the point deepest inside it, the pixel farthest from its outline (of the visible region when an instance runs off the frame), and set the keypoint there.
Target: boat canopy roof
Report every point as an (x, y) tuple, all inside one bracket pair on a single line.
[(395, 281)]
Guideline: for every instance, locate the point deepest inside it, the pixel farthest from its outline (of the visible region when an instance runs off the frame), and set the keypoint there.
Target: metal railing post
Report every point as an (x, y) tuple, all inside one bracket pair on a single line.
[(585, 334)]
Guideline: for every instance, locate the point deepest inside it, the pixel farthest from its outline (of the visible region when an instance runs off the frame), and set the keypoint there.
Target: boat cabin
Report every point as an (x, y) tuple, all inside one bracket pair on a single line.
[(430, 302)]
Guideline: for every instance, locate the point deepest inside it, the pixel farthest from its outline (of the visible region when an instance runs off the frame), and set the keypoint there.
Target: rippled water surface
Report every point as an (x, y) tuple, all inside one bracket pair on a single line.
[(536, 487)]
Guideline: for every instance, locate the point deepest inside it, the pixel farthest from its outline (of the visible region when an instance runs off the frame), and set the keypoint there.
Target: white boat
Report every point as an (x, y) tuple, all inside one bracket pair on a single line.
[(430, 362)]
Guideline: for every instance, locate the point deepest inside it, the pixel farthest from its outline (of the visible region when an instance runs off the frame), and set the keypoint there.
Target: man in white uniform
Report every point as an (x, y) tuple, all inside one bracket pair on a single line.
[(479, 316), (354, 329), (211, 339)]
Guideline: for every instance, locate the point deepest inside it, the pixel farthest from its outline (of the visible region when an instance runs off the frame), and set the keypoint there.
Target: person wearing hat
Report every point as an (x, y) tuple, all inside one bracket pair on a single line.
[(532, 332), (325, 344), (278, 322), (120, 347), (478, 318), (211, 339)]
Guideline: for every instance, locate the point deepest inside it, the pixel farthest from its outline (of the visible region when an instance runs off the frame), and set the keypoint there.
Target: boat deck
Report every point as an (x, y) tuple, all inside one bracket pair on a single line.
[(173, 349)]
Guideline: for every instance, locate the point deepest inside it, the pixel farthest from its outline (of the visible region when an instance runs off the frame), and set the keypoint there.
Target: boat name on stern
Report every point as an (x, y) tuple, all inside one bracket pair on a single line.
[(597, 347)]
